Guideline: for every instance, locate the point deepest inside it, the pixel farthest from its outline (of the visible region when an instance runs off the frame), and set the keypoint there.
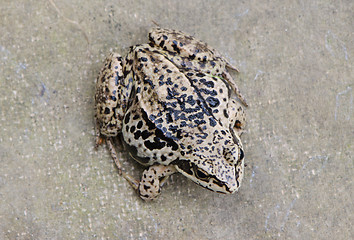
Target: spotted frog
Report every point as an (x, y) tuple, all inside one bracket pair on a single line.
[(171, 102)]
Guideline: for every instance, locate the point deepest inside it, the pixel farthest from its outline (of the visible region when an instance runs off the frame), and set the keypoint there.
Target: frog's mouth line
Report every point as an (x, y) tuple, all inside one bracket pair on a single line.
[(189, 169)]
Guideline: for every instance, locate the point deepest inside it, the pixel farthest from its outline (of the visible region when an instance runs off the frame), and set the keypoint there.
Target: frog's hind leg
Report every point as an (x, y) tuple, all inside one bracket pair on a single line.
[(112, 89), (182, 45), (152, 180), (112, 92)]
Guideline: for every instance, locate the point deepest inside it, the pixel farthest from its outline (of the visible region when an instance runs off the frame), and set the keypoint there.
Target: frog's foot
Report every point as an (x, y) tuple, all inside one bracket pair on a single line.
[(152, 180), (234, 87)]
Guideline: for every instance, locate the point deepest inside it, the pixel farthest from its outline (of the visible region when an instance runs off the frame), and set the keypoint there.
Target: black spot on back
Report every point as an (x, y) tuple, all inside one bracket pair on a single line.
[(132, 129), (213, 102), (212, 122), (162, 43), (137, 134), (225, 113), (127, 118)]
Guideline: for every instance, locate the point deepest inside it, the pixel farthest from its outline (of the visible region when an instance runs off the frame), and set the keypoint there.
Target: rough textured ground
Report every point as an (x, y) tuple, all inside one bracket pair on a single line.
[(296, 70)]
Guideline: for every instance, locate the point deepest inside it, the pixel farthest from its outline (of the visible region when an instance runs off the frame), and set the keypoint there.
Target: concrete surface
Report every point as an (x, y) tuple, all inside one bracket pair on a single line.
[(296, 63)]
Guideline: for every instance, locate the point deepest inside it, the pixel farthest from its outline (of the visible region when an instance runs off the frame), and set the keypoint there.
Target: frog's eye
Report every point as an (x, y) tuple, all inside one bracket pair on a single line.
[(201, 174)]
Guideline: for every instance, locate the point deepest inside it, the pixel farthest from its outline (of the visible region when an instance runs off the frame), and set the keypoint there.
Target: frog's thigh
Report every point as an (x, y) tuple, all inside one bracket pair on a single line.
[(108, 96), (152, 180), (178, 42), (237, 116)]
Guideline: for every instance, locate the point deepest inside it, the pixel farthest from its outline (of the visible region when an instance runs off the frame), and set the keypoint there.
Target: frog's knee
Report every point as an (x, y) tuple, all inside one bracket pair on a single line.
[(107, 97), (109, 126)]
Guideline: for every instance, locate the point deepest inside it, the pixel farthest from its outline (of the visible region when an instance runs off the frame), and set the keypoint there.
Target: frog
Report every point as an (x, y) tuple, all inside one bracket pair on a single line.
[(175, 108)]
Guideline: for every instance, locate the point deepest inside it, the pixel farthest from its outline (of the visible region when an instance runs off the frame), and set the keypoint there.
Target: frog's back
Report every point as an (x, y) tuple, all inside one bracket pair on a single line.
[(172, 111)]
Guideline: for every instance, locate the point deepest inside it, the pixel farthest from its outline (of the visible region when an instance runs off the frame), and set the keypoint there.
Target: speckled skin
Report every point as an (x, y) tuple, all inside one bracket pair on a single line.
[(171, 103)]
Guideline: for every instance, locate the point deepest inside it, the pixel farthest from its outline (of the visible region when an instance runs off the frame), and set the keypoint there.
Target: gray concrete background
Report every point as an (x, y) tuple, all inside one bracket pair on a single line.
[(296, 70)]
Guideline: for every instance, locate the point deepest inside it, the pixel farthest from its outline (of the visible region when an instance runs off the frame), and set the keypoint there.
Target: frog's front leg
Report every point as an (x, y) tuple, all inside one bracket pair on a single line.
[(152, 180)]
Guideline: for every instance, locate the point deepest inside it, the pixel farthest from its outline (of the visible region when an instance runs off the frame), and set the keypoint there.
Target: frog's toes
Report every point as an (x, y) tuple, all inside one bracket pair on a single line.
[(99, 141)]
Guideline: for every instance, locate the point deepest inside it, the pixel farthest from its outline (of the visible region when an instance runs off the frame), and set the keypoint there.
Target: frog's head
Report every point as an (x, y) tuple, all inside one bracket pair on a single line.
[(220, 173)]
